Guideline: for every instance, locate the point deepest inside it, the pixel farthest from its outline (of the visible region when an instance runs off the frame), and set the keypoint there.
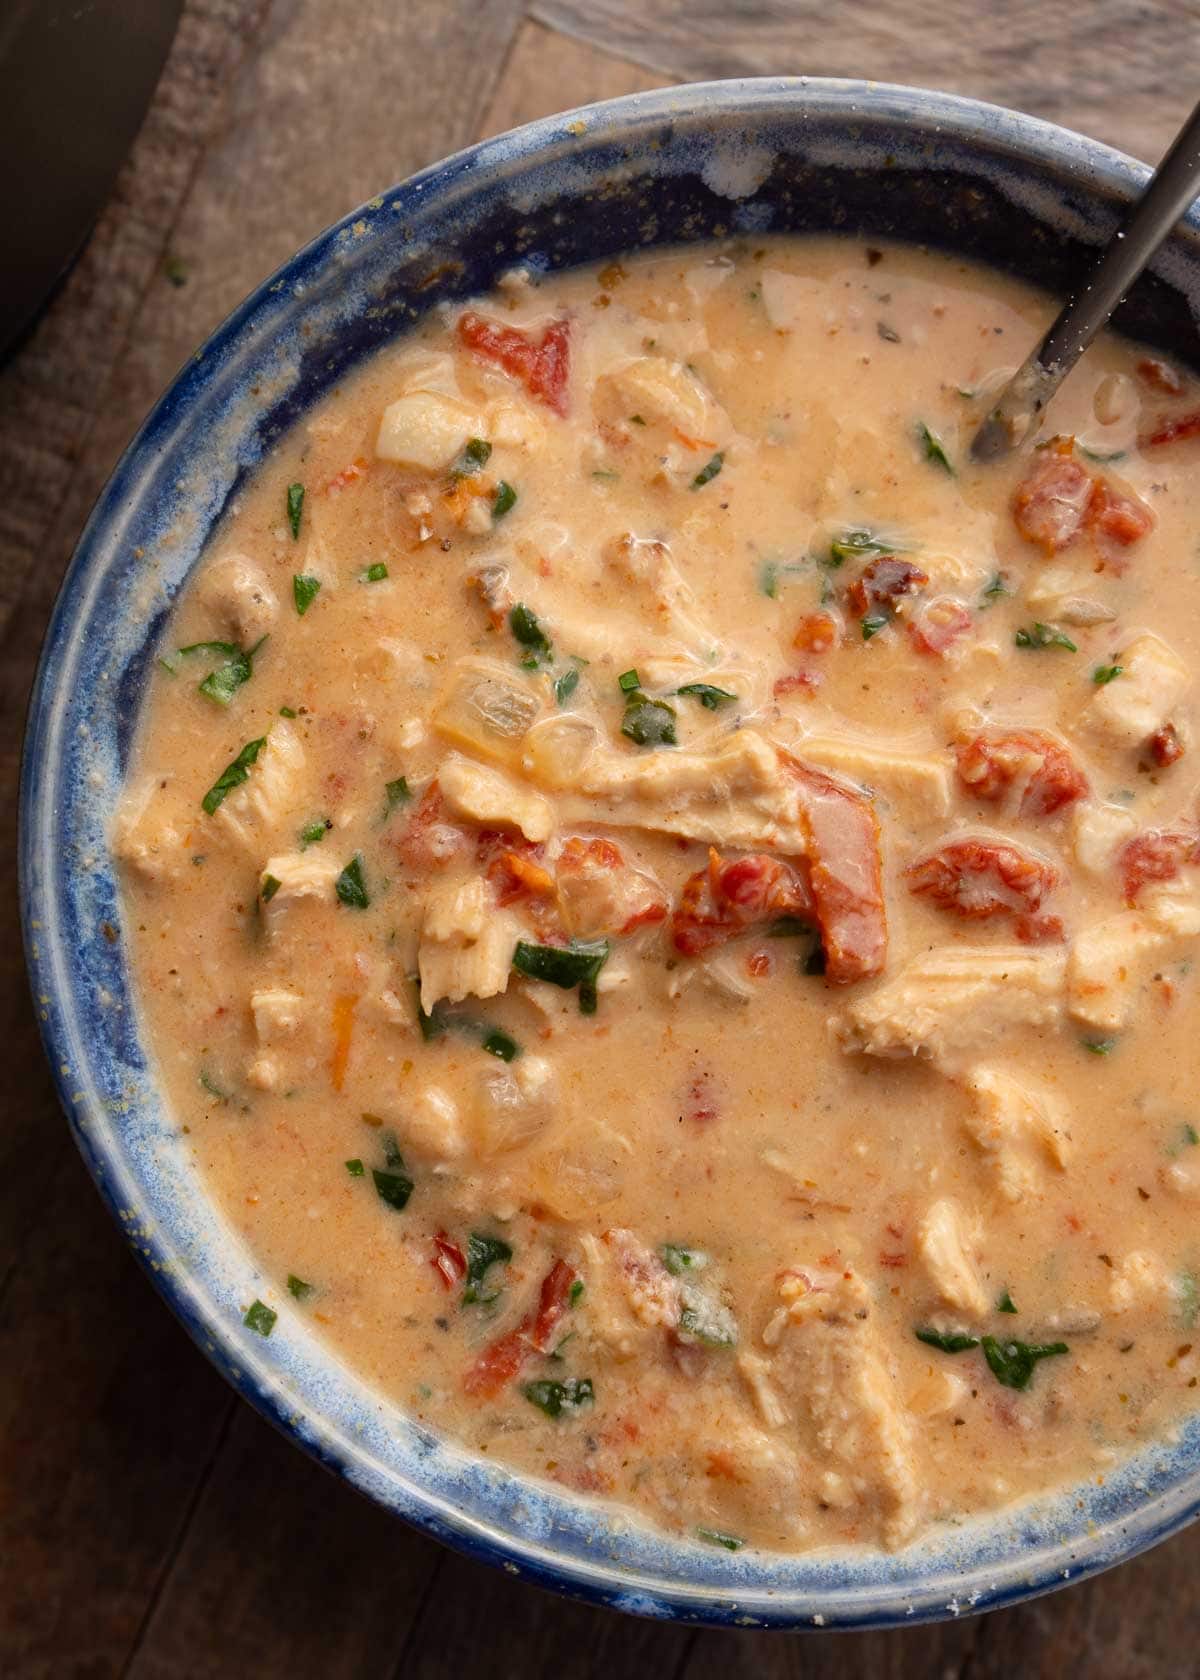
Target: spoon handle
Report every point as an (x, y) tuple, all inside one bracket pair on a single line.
[(1173, 186)]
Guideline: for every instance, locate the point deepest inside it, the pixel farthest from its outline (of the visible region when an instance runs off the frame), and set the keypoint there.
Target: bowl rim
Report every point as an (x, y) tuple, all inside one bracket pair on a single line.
[(1023, 140)]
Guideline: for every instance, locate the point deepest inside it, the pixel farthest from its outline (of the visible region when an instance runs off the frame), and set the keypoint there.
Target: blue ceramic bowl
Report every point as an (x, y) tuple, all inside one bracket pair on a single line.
[(680, 165)]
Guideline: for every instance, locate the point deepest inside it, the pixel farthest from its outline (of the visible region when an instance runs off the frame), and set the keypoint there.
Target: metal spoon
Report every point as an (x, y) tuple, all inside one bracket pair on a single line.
[(1169, 192)]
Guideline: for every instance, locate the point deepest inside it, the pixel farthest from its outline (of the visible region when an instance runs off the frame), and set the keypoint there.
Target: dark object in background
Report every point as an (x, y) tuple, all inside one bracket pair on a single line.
[(76, 77)]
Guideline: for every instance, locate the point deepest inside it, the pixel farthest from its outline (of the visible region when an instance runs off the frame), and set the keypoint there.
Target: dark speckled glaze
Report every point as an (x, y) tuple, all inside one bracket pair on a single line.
[(680, 165)]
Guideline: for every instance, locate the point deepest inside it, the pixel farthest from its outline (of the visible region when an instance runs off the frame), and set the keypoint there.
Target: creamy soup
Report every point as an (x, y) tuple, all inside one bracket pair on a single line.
[(664, 897)]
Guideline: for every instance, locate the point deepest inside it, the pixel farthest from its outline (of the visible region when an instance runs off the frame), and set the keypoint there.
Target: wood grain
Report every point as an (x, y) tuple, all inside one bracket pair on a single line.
[(150, 1524), (1110, 68)]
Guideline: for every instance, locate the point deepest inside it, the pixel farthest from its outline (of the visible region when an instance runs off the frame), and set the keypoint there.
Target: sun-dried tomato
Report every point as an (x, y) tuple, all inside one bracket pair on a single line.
[(541, 364), (989, 765)]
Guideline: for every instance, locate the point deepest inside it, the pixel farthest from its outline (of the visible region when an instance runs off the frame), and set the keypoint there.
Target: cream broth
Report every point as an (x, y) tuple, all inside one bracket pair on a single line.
[(664, 896)]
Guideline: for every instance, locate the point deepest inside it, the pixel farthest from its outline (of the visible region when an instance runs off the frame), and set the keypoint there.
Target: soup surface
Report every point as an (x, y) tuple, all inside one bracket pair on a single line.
[(665, 897)]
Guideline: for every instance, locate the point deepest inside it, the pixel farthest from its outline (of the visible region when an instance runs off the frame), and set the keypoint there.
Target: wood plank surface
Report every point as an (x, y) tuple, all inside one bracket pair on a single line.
[(150, 1524)]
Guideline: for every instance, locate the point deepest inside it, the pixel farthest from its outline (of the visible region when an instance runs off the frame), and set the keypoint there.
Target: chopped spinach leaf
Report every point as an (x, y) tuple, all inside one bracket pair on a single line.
[(286, 711), (994, 590), (295, 508), (709, 697), (525, 628), (1187, 1138), (1012, 1363), (398, 792), (851, 545), (554, 1398), (719, 1537), (934, 448), (1044, 636), (304, 592), (394, 1188), (678, 1259), (1107, 673), (355, 1168), (566, 685), (350, 886), (1099, 1046), (314, 832), (498, 1043), (629, 682), (649, 723), (234, 774), (222, 684), (709, 471), (298, 1287), (476, 453), (270, 886), (575, 1292), (576, 964), (483, 1252), (504, 500), (706, 1321), (954, 1342), (872, 624), (376, 573), (260, 1318), (1005, 1304)]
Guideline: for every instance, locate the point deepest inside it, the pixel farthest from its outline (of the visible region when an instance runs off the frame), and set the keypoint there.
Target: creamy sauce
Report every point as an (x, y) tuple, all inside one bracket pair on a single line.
[(760, 800)]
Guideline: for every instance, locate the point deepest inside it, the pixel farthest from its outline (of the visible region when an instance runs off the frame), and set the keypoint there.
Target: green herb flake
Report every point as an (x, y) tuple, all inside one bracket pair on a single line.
[(350, 886), (566, 685), (709, 471), (355, 1168), (629, 682), (934, 448), (376, 573), (397, 792), (647, 722), (504, 499), (223, 683), (528, 632), (234, 774), (1013, 1363), (295, 508), (872, 624), (1099, 1046), (706, 1321), (286, 711), (304, 591), (576, 964), (392, 1187), (575, 1293), (554, 1398), (636, 420), (954, 1342), (476, 453), (678, 1259), (499, 1044), (1187, 1137), (1107, 673), (709, 697), (260, 1318), (718, 1537), (209, 1084), (298, 1287), (994, 590), (483, 1252), (1044, 636), (270, 886), (1005, 1304), (768, 579), (314, 832), (169, 663)]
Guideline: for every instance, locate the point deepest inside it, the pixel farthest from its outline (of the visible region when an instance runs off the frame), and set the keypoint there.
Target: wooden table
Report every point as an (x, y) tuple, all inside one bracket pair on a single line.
[(150, 1523)]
